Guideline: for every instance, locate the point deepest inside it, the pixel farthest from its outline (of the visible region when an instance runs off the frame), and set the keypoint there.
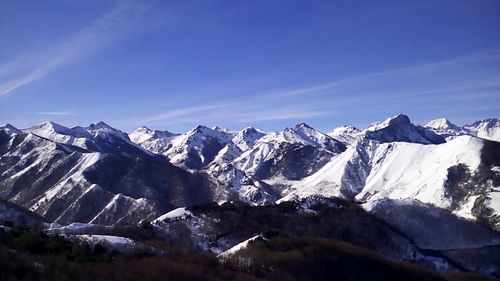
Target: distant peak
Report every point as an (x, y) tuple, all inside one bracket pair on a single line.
[(399, 128), (143, 129), (220, 129), (10, 129), (99, 125), (200, 128), (303, 125), (400, 118), (248, 129), (49, 125), (7, 125), (441, 123), (346, 128), (486, 121)]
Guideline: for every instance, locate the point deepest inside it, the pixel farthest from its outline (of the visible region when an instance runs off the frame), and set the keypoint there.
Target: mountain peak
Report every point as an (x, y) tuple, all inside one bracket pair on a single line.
[(303, 125), (441, 124), (399, 119), (99, 125), (248, 129), (201, 128), (48, 126), (9, 129), (345, 134), (488, 122), (220, 129), (247, 137), (345, 128), (8, 126), (487, 128), (143, 129), (400, 129)]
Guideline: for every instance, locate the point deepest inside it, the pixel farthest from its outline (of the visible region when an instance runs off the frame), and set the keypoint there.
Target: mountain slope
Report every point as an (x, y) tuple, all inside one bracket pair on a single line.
[(290, 154), (459, 175), (68, 184), (58, 171)]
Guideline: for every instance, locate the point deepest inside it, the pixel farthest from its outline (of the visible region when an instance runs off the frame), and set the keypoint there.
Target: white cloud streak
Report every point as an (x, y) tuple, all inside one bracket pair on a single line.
[(419, 86), (100, 33), (56, 113)]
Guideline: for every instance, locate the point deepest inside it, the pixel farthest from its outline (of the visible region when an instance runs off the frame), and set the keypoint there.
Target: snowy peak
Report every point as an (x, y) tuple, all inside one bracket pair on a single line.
[(98, 137), (400, 129), (198, 147), (400, 120), (303, 126), (201, 132), (143, 134), (246, 138), (445, 128), (290, 154), (10, 130), (47, 127), (487, 129), (98, 126), (441, 124), (57, 132), (345, 129), (220, 129), (345, 134), (305, 135), (102, 130)]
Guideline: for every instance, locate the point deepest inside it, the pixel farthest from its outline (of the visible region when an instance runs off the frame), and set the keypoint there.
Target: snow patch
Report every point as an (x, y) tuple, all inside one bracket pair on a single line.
[(243, 245), (179, 213)]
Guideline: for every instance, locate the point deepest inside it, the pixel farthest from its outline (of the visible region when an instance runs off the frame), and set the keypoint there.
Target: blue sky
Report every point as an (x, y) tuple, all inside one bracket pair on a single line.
[(269, 64)]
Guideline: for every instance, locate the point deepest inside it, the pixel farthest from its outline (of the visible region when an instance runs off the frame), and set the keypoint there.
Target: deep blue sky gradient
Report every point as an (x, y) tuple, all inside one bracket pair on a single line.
[(270, 64)]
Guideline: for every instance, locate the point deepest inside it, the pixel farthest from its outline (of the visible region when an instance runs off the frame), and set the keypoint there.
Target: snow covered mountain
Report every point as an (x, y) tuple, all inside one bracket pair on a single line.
[(153, 140), (119, 183), (290, 154), (400, 129), (445, 128), (58, 171), (487, 128), (197, 148), (98, 137), (83, 180), (10, 130), (345, 134)]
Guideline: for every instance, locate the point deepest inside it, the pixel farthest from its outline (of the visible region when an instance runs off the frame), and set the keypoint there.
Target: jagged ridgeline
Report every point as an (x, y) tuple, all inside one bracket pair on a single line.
[(99, 174), (408, 177)]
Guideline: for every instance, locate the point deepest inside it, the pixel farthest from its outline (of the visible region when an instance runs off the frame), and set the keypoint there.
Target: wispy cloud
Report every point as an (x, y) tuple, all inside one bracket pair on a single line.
[(100, 33), (457, 73), (233, 111), (427, 87), (56, 113)]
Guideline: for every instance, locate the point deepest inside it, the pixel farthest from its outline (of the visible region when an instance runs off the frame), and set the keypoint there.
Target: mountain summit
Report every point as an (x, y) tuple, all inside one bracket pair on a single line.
[(400, 129)]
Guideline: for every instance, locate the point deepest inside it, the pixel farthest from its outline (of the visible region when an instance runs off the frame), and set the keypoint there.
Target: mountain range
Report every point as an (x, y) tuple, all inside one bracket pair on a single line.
[(440, 176)]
